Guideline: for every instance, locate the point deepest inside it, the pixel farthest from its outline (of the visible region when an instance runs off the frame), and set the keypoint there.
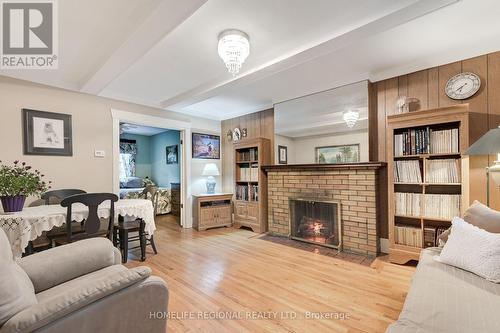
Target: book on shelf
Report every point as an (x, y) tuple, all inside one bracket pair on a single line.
[(407, 171), (408, 235), (251, 154), (431, 235), (416, 141), (247, 193), (442, 171), (254, 173), (408, 204), (440, 206)]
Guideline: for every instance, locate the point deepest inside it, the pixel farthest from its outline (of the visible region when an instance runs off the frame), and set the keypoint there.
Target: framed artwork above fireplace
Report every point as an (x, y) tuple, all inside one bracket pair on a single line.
[(337, 154)]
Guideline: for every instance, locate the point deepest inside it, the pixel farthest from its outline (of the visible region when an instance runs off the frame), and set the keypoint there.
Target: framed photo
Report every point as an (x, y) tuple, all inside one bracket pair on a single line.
[(47, 133), (337, 154), (172, 153), (206, 146), (282, 154)]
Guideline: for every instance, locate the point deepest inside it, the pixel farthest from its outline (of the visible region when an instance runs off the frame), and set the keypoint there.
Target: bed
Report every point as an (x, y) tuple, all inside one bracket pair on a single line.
[(132, 187)]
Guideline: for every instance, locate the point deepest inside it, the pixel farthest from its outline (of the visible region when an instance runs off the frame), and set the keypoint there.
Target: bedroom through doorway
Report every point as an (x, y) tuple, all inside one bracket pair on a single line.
[(151, 157)]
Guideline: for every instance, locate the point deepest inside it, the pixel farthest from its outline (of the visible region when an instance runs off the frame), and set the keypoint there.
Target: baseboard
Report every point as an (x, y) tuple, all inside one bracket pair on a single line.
[(384, 245)]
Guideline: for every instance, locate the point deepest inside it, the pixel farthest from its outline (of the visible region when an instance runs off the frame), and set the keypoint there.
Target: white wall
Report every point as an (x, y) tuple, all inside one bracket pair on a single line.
[(92, 129), (303, 150)]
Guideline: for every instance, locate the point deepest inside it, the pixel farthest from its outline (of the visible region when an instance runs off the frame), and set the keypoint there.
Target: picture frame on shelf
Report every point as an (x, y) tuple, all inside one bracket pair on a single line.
[(337, 154), (282, 154), (172, 154), (47, 133), (205, 146)]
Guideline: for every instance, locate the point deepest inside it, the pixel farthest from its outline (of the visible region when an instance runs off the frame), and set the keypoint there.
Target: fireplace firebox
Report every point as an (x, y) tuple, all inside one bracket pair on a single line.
[(316, 222)]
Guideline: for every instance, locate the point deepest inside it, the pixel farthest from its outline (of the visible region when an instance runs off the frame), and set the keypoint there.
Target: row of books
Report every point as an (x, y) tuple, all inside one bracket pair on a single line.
[(442, 206), (247, 193), (251, 154), (442, 171), (249, 173), (407, 172), (426, 141), (408, 235), (431, 235), (412, 142)]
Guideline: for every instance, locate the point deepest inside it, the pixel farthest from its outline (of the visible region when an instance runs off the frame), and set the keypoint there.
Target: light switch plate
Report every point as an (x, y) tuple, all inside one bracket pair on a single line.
[(99, 153)]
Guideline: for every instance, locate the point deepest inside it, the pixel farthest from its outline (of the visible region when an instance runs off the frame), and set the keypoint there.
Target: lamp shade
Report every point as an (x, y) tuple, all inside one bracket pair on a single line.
[(488, 144), (210, 169)]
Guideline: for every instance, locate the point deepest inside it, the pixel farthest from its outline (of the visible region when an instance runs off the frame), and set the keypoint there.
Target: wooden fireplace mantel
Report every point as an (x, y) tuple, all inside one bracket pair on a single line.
[(320, 167)]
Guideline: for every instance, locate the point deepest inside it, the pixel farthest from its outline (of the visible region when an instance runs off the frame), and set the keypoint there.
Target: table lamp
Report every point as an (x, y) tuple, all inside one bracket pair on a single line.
[(211, 170), (488, 144)]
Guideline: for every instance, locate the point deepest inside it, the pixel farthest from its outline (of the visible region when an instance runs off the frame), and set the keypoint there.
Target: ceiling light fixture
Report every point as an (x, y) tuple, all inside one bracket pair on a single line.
[(351, 117), (233, 48)]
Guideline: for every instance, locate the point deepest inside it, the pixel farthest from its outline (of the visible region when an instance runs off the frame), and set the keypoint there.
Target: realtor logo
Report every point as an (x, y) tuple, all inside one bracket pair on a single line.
[(29, 34)]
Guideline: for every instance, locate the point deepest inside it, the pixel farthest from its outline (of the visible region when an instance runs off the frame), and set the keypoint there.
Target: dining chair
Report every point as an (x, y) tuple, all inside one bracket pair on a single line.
[(59, 195), (92, 224), (55, 197), (123, 228)]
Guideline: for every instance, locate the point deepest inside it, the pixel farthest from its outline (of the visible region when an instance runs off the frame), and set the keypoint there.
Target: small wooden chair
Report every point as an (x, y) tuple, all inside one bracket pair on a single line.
[(92, 224), (121, 231)]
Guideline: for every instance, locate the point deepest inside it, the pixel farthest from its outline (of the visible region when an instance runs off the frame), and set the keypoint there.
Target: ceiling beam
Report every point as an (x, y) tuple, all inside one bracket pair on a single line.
[(164, 19), (304, 54)]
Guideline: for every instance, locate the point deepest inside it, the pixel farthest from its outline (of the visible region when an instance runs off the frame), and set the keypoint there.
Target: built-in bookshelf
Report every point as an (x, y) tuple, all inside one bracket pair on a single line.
[(428, 177), (250, 205)]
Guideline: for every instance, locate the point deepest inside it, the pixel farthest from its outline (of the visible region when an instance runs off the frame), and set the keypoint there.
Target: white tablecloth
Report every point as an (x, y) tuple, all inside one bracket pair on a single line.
[(27, 225)]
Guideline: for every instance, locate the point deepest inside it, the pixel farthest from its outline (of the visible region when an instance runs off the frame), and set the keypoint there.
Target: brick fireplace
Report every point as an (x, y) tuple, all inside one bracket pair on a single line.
[(354, 187)]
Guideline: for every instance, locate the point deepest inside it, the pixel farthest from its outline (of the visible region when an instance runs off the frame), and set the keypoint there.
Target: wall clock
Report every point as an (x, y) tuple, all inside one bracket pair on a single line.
[(463, 85)]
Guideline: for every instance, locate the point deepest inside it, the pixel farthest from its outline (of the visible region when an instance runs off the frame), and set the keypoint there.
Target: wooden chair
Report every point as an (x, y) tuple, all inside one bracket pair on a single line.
[(60, 195), (92, 224), (55, 197), (122, 230)]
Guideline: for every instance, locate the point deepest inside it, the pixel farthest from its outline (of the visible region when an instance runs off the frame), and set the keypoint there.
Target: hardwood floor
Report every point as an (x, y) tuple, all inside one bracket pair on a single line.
[(231, 272)]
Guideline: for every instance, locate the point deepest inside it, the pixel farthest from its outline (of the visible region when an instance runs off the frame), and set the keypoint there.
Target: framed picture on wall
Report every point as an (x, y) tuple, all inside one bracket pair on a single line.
[(206, 146), (172, 153), (47, 133), (282, 154), (337, 154)]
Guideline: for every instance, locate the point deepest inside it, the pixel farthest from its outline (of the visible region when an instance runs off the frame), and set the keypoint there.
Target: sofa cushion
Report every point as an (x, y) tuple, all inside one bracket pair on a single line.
[(131, 182), (481, 216), (73, 295), (472, 249), (16, 290), (445, 299), (5, 249)]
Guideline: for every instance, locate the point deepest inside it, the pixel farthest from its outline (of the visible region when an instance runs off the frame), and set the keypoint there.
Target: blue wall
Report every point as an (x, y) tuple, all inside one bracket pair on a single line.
[(143, 158), (162, 173)]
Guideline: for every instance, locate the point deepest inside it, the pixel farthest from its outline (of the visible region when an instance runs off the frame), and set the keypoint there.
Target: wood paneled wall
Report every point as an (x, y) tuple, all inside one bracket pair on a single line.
[(258, 124), (427, 88)]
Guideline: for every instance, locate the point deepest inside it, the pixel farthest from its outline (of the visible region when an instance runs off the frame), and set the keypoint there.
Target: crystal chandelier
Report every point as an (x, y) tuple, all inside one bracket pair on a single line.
[(351, 117), (234, 48)]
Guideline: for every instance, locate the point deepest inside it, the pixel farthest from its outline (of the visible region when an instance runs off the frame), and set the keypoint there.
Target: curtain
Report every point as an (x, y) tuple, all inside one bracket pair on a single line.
[(128, 153)]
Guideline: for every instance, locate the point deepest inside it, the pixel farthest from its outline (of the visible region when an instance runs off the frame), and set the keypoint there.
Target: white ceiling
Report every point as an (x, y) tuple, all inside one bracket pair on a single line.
[(322, 113), (140, 129), (163, 53)]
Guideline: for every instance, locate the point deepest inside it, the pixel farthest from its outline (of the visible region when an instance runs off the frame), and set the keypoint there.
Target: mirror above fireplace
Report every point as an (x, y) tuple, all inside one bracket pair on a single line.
[(325, 127)]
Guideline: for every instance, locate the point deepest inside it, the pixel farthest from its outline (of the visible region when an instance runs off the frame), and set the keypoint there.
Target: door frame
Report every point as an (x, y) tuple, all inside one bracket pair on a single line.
[(184, 127)]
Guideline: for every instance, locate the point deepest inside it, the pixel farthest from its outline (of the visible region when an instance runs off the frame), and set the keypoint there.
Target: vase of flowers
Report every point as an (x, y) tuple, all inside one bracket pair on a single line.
[(17, 182)]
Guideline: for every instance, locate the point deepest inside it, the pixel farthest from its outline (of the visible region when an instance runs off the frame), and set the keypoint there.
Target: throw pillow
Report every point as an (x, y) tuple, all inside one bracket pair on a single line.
[(472, 249)]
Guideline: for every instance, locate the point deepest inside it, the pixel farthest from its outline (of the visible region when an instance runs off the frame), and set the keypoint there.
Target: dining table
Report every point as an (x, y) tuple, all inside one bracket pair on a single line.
[(25, 226)]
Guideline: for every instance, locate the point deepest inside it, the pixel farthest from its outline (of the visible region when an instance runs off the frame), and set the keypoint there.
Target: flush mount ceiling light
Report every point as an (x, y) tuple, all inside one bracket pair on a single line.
[(351, 117), (233, 48)]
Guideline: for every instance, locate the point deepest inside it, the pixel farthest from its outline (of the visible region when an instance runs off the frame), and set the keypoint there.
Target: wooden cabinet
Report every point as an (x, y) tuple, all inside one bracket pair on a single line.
[(212, 210), (175, 199), (250, 208)]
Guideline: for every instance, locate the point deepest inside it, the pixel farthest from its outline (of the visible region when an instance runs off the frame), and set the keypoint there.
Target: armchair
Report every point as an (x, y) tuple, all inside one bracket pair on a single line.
[(79, 287)]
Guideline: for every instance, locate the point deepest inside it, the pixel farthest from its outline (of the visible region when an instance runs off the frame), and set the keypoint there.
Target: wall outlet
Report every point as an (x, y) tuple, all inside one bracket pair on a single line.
[(99, 153)]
